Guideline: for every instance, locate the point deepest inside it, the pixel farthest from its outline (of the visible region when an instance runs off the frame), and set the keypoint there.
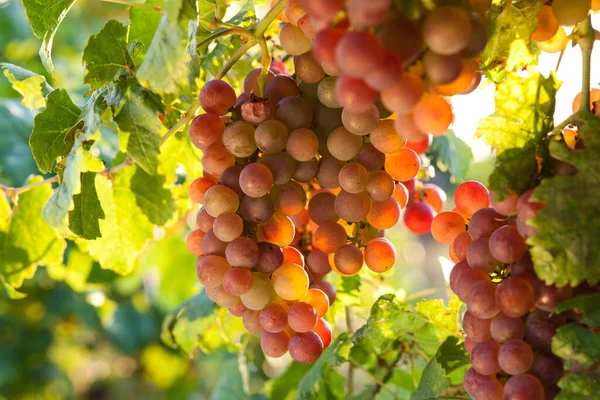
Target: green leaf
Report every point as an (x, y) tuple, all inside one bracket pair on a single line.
[(287, 383), (451, 155), (179, 151), (6, 290), (143, 24), (76, 272), (50, 139), (516, 170), (151, 196), (29, 241), (125, 229), (87, 210), (576, 345), (106, 53), (230, 385), (510, 47), (164, 68), (587, 304), (579, 387), (139, 129), (33, 87), (442, 322), (322, 380), (44, 17), (452, 355), (565, 248), (433, 382)]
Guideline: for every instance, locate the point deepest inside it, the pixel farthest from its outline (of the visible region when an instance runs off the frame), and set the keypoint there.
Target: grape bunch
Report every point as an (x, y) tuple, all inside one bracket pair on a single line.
[(510, 321)]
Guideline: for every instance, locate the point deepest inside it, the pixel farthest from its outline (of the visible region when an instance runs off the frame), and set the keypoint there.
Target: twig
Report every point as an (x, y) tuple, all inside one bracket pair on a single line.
[(140, 5), (184, 120), (266, 64), (389, 373), (261, 27), (224, 32), (586, 43), (235, 57), (376, 379), (12, 191)]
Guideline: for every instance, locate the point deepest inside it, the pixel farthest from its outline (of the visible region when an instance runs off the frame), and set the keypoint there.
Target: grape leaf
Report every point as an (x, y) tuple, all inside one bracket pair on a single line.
[(33, 87), (75, 273), (433, 382), (576, 346), (451, 355), (441, 323), (579, 387), (230, 384), (6, 290), (509, 46), (516, 170), (179, 151), (87, 210), (44, 17), (50, 139), (451, 154), (565, 249), (143, 24), (587, 304), (288, 382), (322, 380), (139, 129), (152, 198), (28, 240), (106, 53), (125, 229)]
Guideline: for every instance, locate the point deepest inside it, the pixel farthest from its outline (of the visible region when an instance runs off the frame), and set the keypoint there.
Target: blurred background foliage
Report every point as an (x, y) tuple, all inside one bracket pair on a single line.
[(87, 333)]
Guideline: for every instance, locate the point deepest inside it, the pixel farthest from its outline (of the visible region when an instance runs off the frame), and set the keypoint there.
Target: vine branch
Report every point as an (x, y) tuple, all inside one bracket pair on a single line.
[(586, 39)]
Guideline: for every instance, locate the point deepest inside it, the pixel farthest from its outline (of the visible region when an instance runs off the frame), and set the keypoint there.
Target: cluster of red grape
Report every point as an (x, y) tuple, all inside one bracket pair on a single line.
[(509, 325)]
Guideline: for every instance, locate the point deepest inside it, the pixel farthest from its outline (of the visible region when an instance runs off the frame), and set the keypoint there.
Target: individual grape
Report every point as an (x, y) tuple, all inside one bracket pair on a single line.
[(273, 318), (504, 328), (380, 255), (275, 345), (260, 294), (352, 207), (278, 230), (326, 92), (362, 122), (547, 25), (198, 188), (471, 196), (242, 252), (347, 260), (477, 329), (371, 158), (527, 209), (221, 297), (380, 185), (442, 69), (479, 256), (251, 80), (293, 41), (469, 345), (327, 288), (281, 165), (279, 87), (251, 322), (418, 217), (305, 348), (219, 200), (402, 97), (308, 68), (594, 97), (386, 74), (515, 357), (447, 30), (290, 281), (325, 44), (401, 195), (317, 299), (456, 273), (446, 226), (257, 110), (302, 317), (515, 297), (385, 138), (271, 136), (329, 236), (484, 358), (482, 386), (354, 93), (211, 269), (238, 138), (384, 214), (358, 53), (216, 159), (318, 262), (343, 145), (570, 12), (294, 113), (523, 267), (463, 82), (460, 245), (507, 245), (353, 178), (366, 15), (231, 178), (211, 245), (478, 39), (321, 208), (405, 127), (484, 222), (256, 180), (433, 114), (289, 198), (294, 11), (257, 209), (204, 221), (306, 170), (547, 367), (217, 97), (237, 281), (193, 241), (521, 387), (539, 330), (228, 226), (402, 36), (419, 147), (402, 165), (325, 121), (547, 297), (292, 255), (270, 257), (466, 281), (302, 144), (238, 309), (206, 130), (434, 196), (481, 300), (323, 329)]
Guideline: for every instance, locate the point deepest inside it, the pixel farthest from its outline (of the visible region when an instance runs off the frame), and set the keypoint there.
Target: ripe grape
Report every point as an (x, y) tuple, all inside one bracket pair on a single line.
[(273, 318), (446, 226), (329, 236), (228, 226), (515, 357), (217, 97), (251, 322), (447, 30), (433, 114), (347, 260), (380, 255), (325, 121), (293, 41), (302, 317), (478, 39), (361, 122), (254, 112), (547, 297), (275, 344), (343, 145), (594, 97), (547, 367), (294, 11), (418, 217), (404, 95), (231, 178), (242, 252), (419, 147), (371, 158), (318, 262), (477, 329), (326, 92), (481, 300), (270, 257), (467, 280), (290, 281), (281, 165), (292, 255), (294, 113), (384, 214), (484, 222), (206, 130), (402, 165), (306, 170), (353, 178), (380, 185), (434, 196), (305, 348), (469, 345), (456, 273), (219, 200), (237, 281), (326, 287), (504, 328), (539, 330), (570, 12), (323, 10), (251, 80), (204, 221), (211, 269), (484, 358), (260, 294), (256, 180), (407, 130), (470, 196), (354, 93), (525, 386), (325, 43), (460, 245), (401, 195), (289, 198), (308, 69), (515, 297), (479, 256), (238, 138), (238, 309), (366, 15), (442, 69), (257, 209), (318, 299), (507, 245), (482, 386), (193, 241), (358, 53), (321, 208), (278, 230), (199, 187), (302, 144), (216, 159), (212, 245), (385, 138), (271, 136), (279, 87), (402, 36), (323, 329), (385, 74)]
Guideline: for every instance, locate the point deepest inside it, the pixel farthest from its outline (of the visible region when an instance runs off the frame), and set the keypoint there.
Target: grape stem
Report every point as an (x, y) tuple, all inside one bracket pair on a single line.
[(266, 64), (350, 365), (586, 36)]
